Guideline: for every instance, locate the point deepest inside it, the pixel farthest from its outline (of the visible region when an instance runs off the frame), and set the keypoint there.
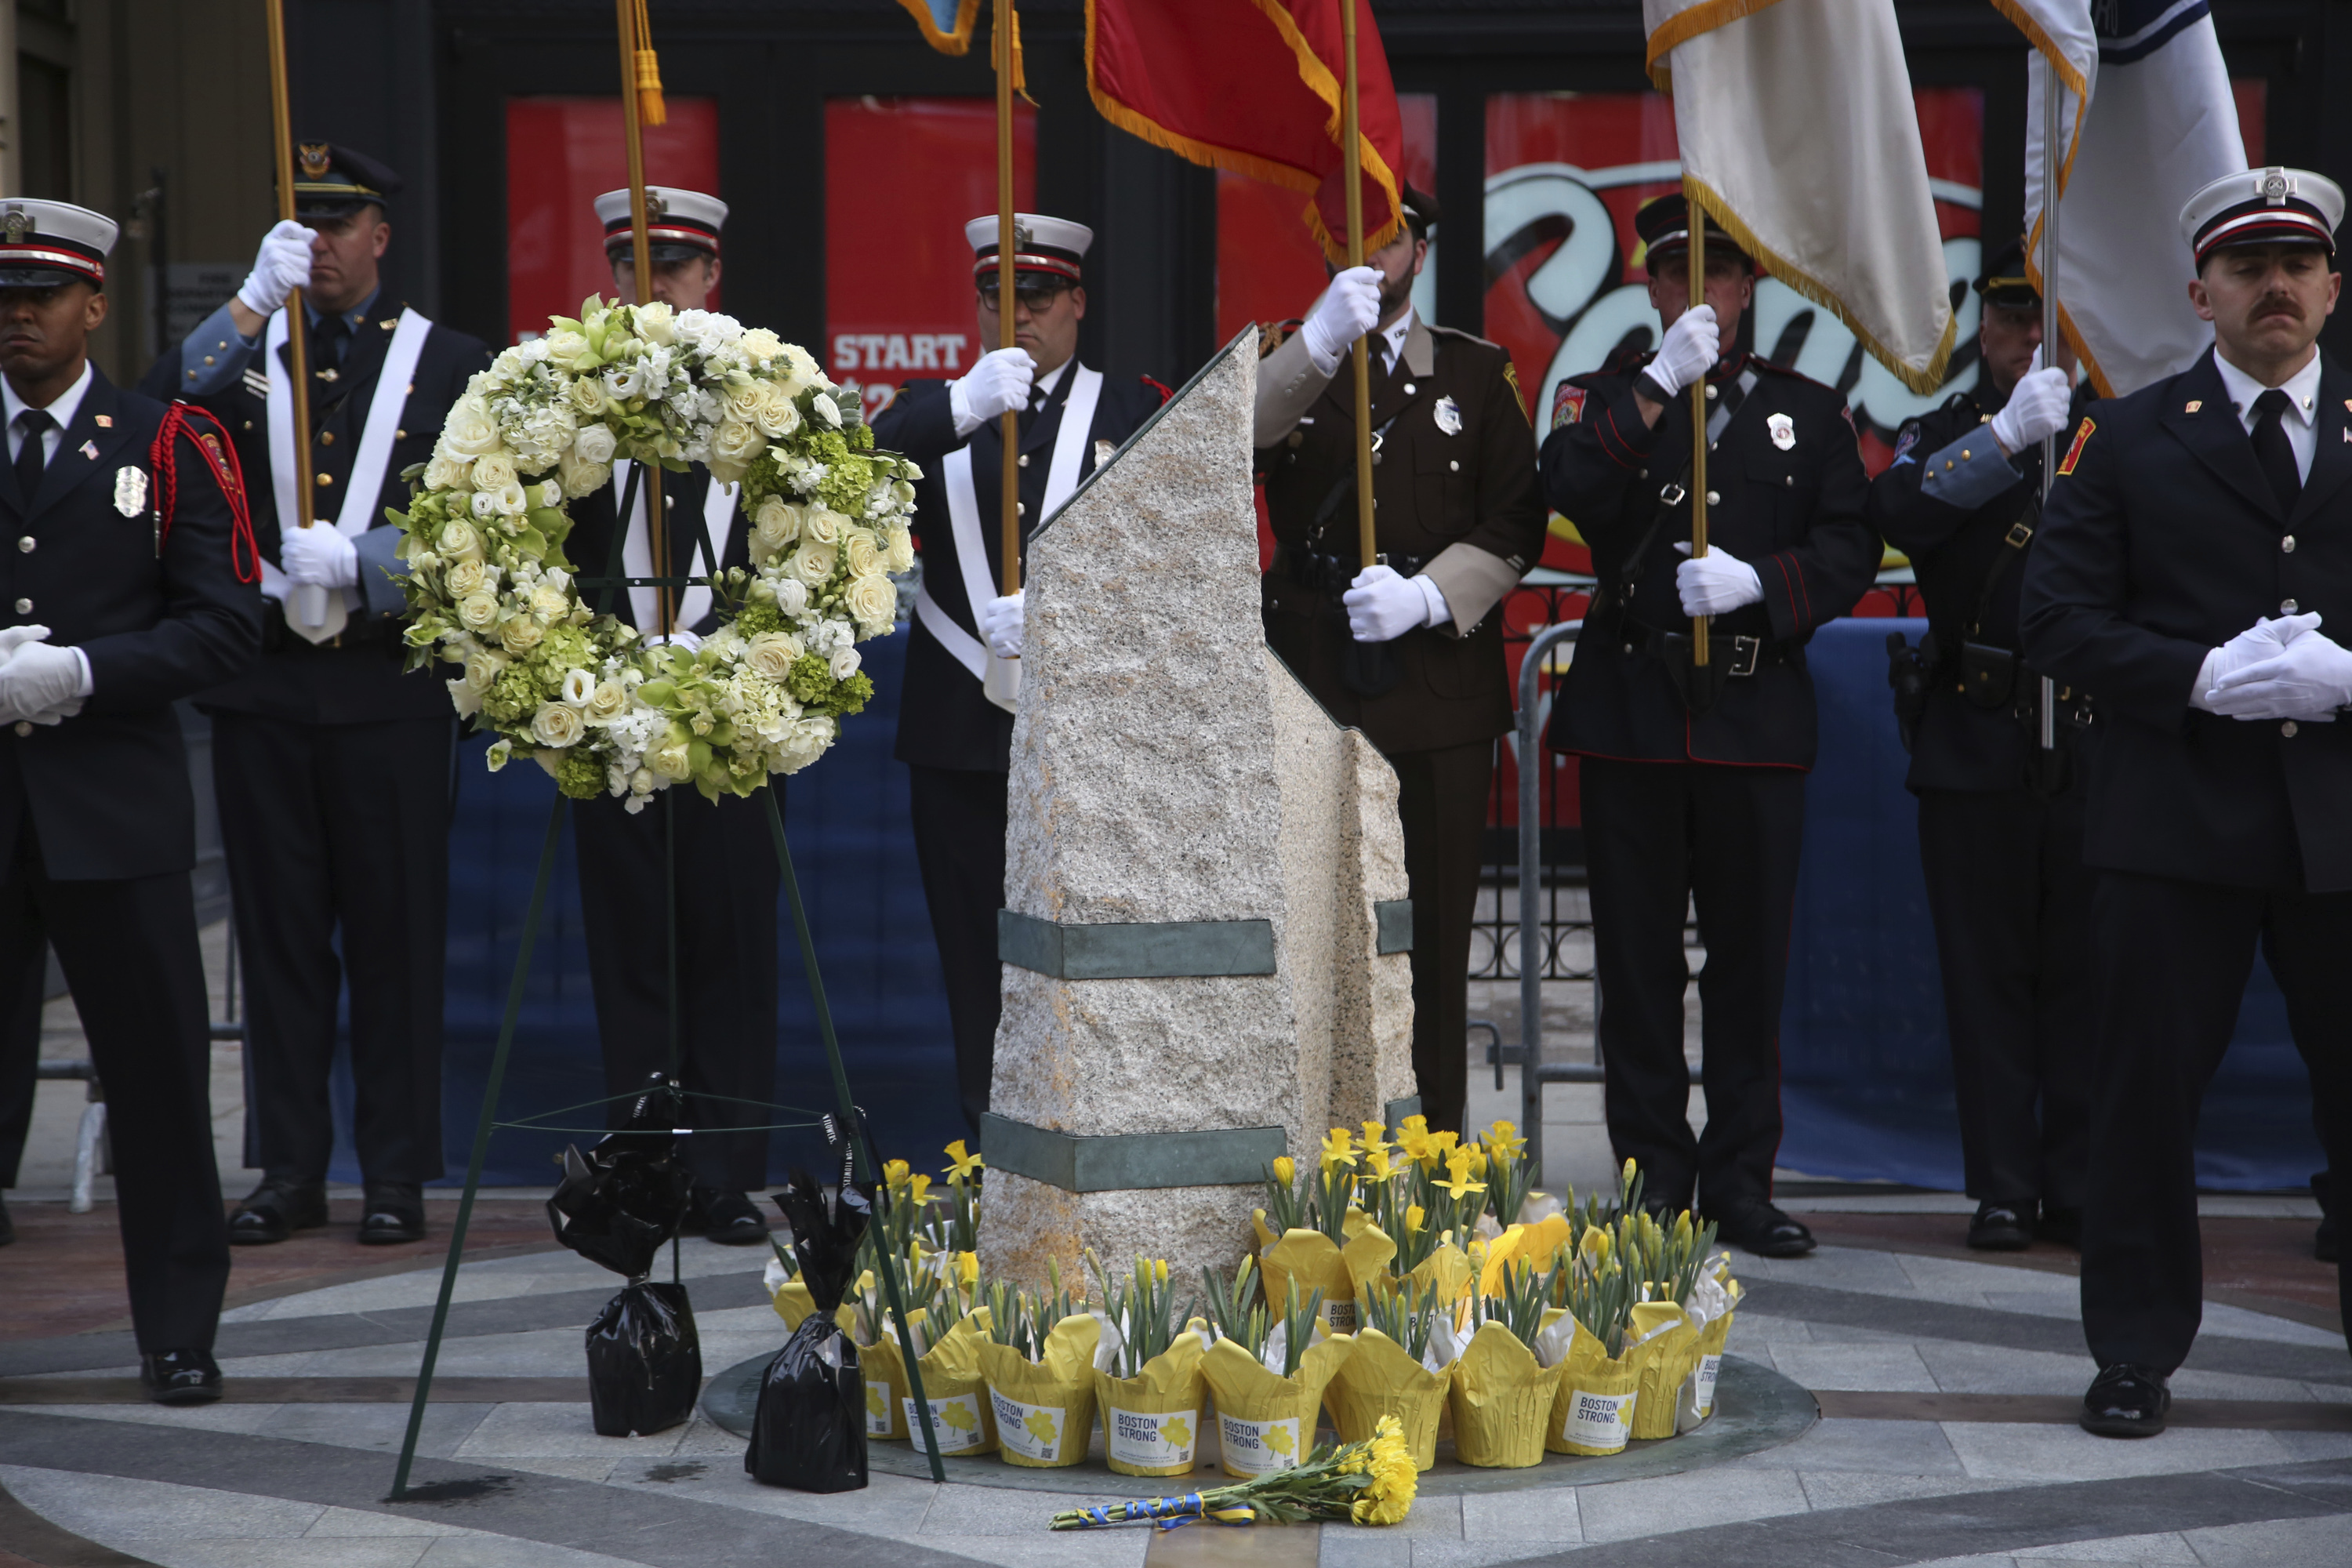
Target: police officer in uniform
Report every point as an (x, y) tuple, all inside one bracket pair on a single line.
[(954, 738), (331, 767), (114, 610), (2000, 818), (726, 876), (1408, 649), (1694, 777), (2194, 571)]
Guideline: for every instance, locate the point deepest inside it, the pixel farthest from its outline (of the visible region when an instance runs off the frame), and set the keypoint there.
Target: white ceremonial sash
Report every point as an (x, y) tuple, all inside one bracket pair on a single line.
[(718, 511), (1070, 438)]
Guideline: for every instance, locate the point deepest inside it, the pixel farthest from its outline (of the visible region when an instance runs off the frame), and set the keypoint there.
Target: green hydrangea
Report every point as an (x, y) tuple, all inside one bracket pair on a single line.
[(758, 616), (847, 476), (850, 696), (578, 774), (514, 696), (810, 680)]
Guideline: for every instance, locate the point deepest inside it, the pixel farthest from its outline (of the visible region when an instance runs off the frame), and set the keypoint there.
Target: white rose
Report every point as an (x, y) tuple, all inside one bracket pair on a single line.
[(458, 541), (735, 443), (550, 493), (482, 666), (641, 783), (770, 655), (760, 345), (464, 698), (549, 602), (444, 472), (521, 633), (656, 324), (825, 525), (741, 404), (777, 524), (465, 577), (813, 561), (565, 345), (594, 443), (586, 396), (865, 559), (608, 700), (578, 477), (494, 471), (844, 663), (469, 430), (900, 556), (478, 611), (509, 500), (555, 725), (777, 416), (792, 597), (873, 600)]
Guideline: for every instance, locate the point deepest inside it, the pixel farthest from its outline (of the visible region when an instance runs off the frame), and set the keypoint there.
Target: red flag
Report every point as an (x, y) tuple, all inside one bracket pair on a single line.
[(1255, 86)]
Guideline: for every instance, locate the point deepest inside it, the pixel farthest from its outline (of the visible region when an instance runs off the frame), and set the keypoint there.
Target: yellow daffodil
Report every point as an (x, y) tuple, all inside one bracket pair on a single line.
[(1338, 1149), (1286, 1169), (1160, 1270), (964, 1165), (1379, 1166), (1626, 1177), (1413, 1217), (1683, 1229), (1442, 1146), (1503, 1140), (894, 1173), (918, 1189), (1413, 1137), (1457, 1184), (967, 1269), (1595, 1247), (1474, 1157), (1375, 1137)]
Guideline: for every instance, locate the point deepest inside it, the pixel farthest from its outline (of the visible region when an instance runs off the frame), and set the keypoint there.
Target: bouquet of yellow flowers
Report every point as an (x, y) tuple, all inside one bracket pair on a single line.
[(1370, 1482)]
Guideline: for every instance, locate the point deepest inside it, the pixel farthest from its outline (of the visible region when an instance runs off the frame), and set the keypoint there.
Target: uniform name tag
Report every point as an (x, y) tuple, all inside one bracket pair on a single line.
[(1782, 429), (129, 490)]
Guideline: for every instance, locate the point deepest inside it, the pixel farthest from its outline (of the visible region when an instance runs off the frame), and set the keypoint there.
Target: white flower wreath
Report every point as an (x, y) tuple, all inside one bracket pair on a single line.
[(490, 589)]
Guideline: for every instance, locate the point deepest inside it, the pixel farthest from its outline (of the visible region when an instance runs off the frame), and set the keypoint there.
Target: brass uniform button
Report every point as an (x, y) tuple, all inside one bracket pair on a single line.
[(2286, 606), (2287, 729), (24, 607), (326, 479), (1713, 498), (1022, 461), (2286, 545), (326, 437), (28, 544), (24, 726)]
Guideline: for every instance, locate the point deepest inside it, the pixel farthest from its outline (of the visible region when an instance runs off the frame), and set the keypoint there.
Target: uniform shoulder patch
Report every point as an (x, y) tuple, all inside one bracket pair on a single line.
[(1568, 404), (1518, 394), (2074, 452)]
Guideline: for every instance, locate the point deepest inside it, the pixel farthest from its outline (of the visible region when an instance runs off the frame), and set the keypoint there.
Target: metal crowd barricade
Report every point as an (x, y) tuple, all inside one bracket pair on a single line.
[(1534, 1071)]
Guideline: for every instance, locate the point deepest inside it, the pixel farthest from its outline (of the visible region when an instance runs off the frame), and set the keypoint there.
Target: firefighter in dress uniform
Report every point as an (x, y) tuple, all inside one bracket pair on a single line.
[(115, 608), (2000, 819), (333, 769), (2194, 571), (1458, 523), (954, 739), (1693, 777), (725, 877)]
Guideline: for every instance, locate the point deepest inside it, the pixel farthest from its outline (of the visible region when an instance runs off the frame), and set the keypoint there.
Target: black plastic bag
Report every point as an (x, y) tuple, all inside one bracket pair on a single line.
[(644, 1362), (809, 1432), (621, 1201)]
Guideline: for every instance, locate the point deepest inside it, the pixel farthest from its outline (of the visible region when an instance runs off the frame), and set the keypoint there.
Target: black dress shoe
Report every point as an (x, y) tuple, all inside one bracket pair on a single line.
[(181, 1377), (276, 1210), (391, 1212), (2125, 1401), (2061, 1226), (1766, 1232), (727, 1218), (2001, 1227), (2324, 1245)]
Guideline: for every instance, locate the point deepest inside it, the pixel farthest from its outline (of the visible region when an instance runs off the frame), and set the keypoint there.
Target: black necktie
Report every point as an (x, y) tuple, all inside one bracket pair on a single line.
[(327, 342), (2271, 448), (30, 460)]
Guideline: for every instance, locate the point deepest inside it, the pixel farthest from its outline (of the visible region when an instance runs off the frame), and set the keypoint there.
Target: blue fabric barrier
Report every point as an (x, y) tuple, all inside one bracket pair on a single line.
[(1865, 1062), (846, 820)]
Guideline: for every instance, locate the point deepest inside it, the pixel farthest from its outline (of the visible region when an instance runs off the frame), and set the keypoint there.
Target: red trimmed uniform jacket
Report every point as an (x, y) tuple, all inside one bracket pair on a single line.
[(1789, 494)]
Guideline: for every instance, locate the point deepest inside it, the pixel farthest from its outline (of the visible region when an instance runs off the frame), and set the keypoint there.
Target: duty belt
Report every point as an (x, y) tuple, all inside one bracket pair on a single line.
[(1747, 655), (1316, 569)]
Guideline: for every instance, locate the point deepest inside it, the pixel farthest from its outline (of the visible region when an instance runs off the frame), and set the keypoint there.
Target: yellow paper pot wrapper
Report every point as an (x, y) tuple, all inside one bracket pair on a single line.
[(1266, 1422), (1442, 1277), (1151, 1422), (1593, 1412), (1665, 1367), (1379, 1379), (884, 1370), (1044, 1409), (1697, 1394), (1502, 1399), (1540, 1244), (1319, 1264), (793, 1303), (962, 1415)]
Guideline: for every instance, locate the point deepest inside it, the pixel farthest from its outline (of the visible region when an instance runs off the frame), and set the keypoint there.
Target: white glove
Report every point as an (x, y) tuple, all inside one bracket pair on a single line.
[(42, 684), (281, 265), (319, 554), (2309, 680), (998, 384), (14, 637), (1717, 583), (2263, 640), (1001, 623), (1689, 351), (2037, 406), (1350, 308), (1384, 606)]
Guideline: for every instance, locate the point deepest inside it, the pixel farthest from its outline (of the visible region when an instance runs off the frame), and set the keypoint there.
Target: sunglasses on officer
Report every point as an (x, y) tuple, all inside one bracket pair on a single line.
[(1031, 290)]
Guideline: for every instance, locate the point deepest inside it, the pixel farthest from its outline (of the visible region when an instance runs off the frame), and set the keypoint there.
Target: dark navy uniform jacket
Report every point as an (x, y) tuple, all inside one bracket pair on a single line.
[(944, 721), (1789, 494), (1949, 501), (108, 790), (2162, 540), (361, 682), (589, 546)]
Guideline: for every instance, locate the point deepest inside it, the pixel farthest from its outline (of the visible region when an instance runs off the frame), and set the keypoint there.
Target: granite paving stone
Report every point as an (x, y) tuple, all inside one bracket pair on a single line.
[(306, 1552), (1549, 1515), (522, 1430), (2166, 1547), (1891, 1367), (2322, 1542), (1626, 1509), (112, 1508), (1889, 1447), (2019, 1452)]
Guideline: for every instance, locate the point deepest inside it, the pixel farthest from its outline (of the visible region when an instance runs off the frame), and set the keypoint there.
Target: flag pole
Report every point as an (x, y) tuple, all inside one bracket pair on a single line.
[(2051, 126), (311, 600), (641, 257), (1004, 340), (1366, 545), (1697, 217)]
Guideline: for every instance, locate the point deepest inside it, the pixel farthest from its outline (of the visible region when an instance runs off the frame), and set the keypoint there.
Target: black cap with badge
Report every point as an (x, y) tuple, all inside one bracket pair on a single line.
[(1664, 224), (44, 244), (2005, 284), (332, 182)]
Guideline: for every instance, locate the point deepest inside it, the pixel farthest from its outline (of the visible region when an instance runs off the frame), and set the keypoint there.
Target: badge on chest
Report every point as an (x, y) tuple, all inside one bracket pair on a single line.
[(129, 490), (1783, 431), (1448, 415)]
